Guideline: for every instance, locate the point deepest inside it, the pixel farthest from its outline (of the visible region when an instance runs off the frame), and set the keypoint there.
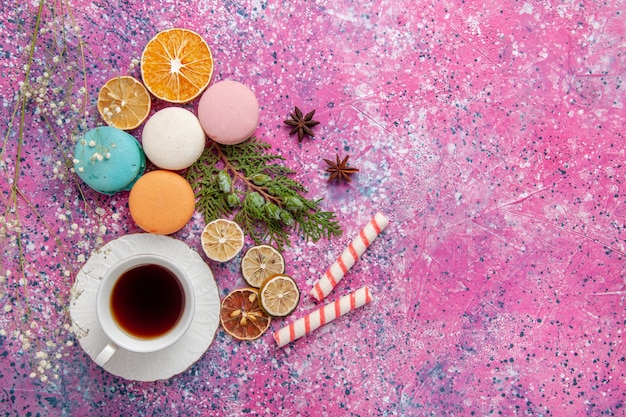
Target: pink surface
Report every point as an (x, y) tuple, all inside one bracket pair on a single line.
[(490, 133)]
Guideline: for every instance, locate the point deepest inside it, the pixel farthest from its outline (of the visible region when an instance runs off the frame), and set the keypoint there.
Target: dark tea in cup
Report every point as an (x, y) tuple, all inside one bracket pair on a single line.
[(147, 301)]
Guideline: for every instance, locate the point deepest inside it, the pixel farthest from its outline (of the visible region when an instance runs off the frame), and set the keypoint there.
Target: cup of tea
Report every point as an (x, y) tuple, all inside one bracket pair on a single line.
[(144, 303)]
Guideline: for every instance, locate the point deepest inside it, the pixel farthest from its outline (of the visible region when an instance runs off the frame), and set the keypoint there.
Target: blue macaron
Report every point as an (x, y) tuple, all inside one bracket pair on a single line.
[(109, 160)]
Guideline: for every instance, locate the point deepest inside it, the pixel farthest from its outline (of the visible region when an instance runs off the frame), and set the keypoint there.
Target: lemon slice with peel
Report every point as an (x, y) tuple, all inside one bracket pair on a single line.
[(241, 316), (222, 240), (279, 295), (124, 102), (261, 262)]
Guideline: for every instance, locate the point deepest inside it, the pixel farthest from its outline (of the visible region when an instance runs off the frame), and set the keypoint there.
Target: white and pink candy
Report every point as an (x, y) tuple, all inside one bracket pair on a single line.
[(350, 255), (322, 316)]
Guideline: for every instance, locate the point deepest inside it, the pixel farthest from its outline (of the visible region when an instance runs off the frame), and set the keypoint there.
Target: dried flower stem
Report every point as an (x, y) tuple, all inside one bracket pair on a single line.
[(51, 57)]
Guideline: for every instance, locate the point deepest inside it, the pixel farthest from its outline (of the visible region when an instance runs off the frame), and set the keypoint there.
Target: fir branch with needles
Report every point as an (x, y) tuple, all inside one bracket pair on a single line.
[(249, 182)]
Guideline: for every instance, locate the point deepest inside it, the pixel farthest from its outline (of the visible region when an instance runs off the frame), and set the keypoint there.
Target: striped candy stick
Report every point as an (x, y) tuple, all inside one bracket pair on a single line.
[(320, 317), (350, 255)]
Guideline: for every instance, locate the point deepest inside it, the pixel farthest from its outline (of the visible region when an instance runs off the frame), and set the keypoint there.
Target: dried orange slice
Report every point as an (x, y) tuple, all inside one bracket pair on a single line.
[(261, 262), (176, 65), (279, 295), (241, 316), (123, 102), (222, 240)]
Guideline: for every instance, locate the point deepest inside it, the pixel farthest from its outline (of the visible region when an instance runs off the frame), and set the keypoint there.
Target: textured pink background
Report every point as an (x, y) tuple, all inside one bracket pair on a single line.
[(490, 133)]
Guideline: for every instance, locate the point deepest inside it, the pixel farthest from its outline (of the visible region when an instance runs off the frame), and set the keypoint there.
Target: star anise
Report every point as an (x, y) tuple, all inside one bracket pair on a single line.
[(340, 171), (301, 124)]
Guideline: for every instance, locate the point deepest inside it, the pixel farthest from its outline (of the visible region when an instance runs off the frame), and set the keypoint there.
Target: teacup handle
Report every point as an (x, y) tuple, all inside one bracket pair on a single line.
[(106, 354)]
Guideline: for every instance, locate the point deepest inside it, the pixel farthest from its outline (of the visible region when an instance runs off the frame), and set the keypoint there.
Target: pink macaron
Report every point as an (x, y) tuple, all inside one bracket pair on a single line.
[(228, 112)]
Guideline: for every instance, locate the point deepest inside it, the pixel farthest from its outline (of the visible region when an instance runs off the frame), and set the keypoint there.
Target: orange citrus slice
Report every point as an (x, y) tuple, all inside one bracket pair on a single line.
[(279, 295), (176, 65), (222, 240), (123, 102), (261, 262), (241, 316)]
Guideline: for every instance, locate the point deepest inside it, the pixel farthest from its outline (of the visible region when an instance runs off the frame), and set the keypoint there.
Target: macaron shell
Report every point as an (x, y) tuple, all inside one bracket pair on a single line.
[(161, 202), (173, 138), (228, 112), (109, 160)]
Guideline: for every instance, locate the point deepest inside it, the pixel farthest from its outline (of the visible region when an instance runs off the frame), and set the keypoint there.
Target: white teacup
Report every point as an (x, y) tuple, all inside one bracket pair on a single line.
[(145, 303)]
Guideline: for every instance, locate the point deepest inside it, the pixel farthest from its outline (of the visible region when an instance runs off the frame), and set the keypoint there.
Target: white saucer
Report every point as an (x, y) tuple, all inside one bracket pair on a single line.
[(167, 362)]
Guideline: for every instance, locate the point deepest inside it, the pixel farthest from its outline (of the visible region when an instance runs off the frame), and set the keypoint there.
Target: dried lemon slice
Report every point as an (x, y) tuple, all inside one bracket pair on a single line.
[(222, 240), (124, 102), (279, 295), (241, 316), (261, 262)]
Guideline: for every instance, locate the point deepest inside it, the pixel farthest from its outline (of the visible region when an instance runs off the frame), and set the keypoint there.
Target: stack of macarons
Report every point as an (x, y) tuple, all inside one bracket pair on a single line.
[(110, 160)]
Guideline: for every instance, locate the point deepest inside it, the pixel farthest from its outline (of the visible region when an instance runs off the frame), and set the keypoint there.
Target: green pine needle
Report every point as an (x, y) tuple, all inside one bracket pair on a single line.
[(246, 181)]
